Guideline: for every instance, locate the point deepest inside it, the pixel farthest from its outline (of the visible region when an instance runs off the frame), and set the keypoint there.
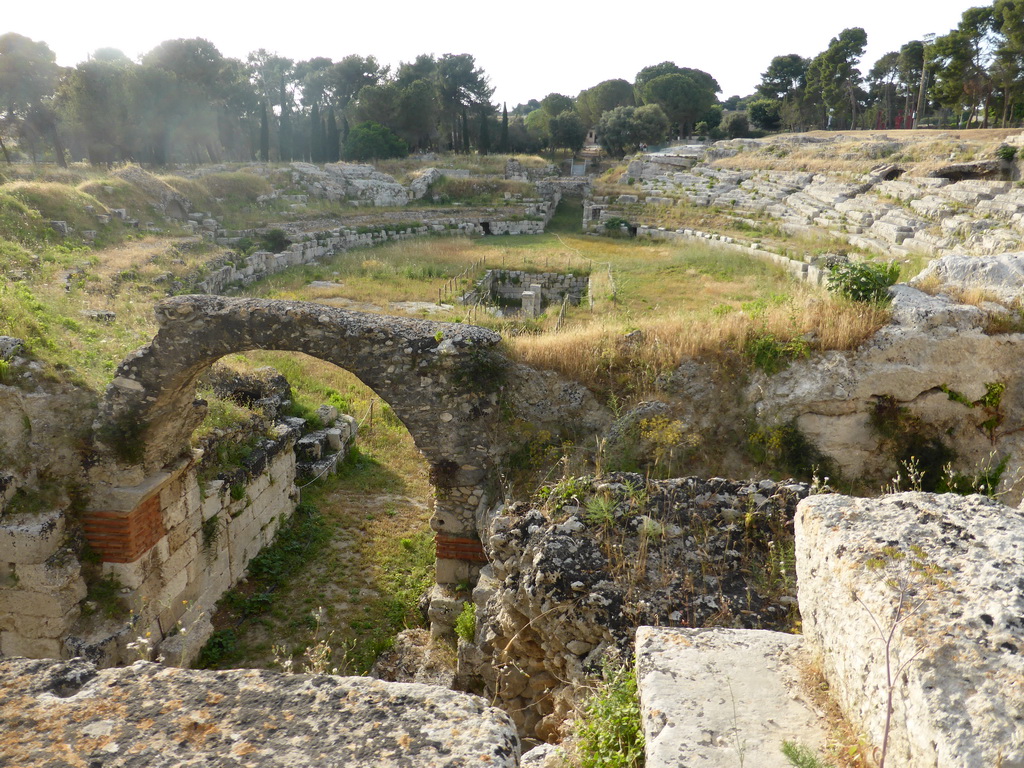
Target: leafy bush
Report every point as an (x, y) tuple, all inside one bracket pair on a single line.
[(864, 280), (615, 223), (1007, 153), (610, 734), (465, 624), (373, 141)]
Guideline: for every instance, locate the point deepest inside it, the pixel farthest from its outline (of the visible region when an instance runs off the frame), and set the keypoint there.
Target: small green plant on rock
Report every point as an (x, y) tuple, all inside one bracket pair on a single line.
[(802, 756), (770, 354), (991, 404), (465, 624), (609, 732)]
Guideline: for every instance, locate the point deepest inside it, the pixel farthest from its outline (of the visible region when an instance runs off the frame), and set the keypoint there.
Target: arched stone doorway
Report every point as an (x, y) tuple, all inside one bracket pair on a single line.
[(441, 380)]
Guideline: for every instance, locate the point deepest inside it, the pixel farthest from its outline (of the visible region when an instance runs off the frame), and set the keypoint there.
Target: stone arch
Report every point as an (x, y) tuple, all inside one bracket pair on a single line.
[(441, 380)]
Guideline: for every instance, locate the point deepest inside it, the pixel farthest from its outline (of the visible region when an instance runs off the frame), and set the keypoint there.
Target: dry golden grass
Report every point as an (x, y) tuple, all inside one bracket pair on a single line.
[(604, 358)]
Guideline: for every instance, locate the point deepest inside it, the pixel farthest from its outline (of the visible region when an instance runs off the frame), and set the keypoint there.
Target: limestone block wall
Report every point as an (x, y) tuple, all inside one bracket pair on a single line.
[(41, 584), (509, 284), (208, 534), (263, 263)]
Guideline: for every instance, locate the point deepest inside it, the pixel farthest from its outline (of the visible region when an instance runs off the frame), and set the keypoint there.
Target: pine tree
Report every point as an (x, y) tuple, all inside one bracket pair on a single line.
[(264, 134), (465, 132), (503, 140)]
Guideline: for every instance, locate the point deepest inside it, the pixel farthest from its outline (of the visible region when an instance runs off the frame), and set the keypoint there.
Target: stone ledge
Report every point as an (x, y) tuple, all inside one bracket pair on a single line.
[(712, 698), (61, 713)]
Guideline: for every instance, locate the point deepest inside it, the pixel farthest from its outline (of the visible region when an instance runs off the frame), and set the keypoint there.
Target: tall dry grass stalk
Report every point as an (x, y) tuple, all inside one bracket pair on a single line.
[(602, 355)]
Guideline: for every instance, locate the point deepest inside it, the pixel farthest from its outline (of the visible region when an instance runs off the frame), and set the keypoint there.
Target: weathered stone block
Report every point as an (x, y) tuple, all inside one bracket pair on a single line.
[(940, 575), (357, 721), (714, 697), (15, 644), (30, 538)]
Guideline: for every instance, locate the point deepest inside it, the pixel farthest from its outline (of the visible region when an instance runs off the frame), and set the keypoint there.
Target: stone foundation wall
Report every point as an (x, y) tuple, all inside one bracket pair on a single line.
[(565, 589), (172, 546), (208, 535), (511, 284)]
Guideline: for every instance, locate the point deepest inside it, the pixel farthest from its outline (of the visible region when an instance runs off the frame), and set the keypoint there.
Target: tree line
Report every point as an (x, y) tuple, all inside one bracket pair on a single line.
[(184, 101), (971, 77)]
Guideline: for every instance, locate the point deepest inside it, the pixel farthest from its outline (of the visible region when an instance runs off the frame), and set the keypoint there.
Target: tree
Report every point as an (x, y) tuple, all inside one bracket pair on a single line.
[(264, 134), (606, 95), (623, 129), (567, 130), (461, 85), (765, 113), (883, 79), (683, 97), (647, 74), (503, 140), (736, 126), (333, 148), (961, 59), (28, 77), (484, 145), (556, 104), (537, 125), (373, 141), (785, 74), (417, 113), (95, 102), (833, 79), (352, 74), (651, 124)]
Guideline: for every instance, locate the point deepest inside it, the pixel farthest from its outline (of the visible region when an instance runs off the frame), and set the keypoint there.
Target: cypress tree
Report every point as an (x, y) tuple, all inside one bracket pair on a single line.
[(264, 134), (465, 132), (284, 139), (485, 133), (315, 146), (333, 150), (503, 140)]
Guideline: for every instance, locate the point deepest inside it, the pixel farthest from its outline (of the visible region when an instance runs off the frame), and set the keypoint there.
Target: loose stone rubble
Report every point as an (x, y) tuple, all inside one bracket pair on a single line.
[(941, 576), (148, 716)]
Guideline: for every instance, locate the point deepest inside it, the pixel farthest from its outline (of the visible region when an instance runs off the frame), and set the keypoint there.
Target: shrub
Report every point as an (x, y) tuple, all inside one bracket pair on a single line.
[(1007, 153), (864, 280), (373, 141), (465, 624), (610, 734)]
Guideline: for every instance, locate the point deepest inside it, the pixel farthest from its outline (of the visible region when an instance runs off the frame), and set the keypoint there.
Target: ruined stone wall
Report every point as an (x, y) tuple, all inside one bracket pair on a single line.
[(509, 284), (567, 586)]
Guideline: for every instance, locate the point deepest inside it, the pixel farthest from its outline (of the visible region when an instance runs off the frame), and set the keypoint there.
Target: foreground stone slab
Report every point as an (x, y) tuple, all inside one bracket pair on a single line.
[(717, 698), (943, 576), (149, 716)]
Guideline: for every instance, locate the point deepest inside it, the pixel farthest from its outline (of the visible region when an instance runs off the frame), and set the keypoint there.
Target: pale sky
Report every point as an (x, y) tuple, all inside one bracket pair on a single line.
[(527, 48)]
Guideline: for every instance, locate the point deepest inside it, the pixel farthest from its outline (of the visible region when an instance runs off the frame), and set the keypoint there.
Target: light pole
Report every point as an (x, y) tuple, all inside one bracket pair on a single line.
[(924, 76)]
